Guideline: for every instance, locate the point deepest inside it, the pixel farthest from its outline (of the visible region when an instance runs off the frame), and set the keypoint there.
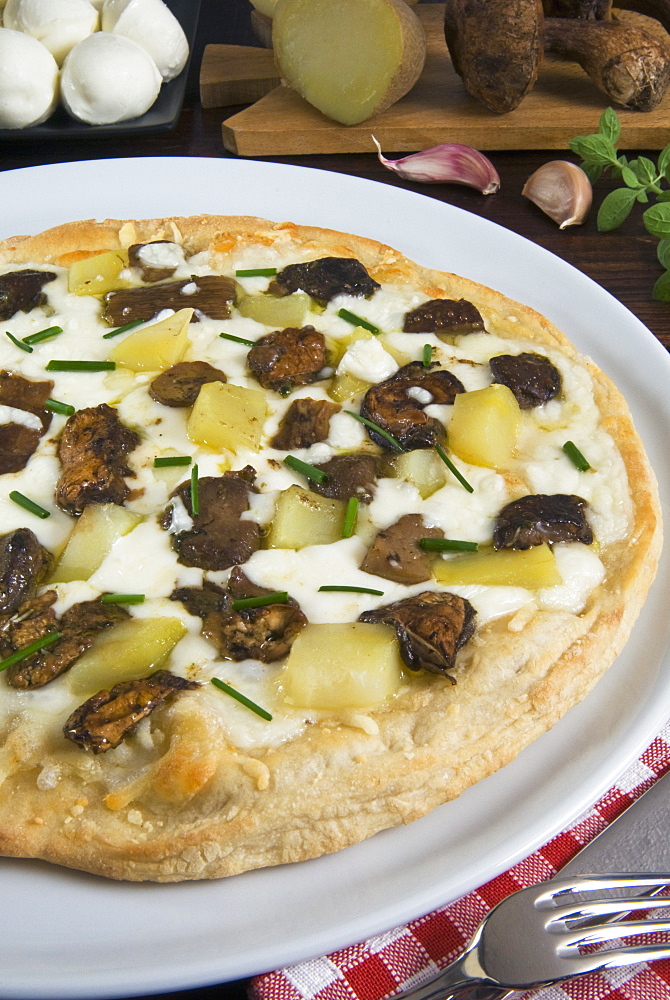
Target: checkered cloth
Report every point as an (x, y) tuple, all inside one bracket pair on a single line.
[(406, 956)]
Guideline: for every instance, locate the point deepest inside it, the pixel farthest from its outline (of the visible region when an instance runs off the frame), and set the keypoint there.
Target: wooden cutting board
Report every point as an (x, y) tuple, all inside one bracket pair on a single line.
[(564, 103)]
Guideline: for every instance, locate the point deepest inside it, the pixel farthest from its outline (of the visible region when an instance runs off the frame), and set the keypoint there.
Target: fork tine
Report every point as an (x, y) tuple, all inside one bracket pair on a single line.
[(610, 932), (596, 883), (618, 906), (619, 957)]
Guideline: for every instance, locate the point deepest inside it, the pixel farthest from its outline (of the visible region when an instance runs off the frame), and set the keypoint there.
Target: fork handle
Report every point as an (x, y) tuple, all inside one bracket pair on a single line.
[(454, 983)]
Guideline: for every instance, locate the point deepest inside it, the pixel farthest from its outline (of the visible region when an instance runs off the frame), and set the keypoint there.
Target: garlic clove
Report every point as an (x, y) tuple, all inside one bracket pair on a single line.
[(448, 163), (562, 191)]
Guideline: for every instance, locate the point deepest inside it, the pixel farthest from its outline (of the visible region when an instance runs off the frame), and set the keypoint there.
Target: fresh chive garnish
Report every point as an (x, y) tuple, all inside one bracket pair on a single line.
[(17, 343), (308, 471), (195, 492), (161, 463), (427, 356), (34, 647), (81, 366), (122, 599), (576, 457), (237, 340), (352, 590), (55, 406), (375, 427), (29, 505), (37, 338), (256, 272), (243, 700), (447, 545), (452, 468), (350, 515), (357, 320), (276, 597), (123, 329)]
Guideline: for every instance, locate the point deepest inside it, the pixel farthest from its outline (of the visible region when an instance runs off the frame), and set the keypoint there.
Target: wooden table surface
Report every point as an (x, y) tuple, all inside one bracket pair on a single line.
[(623, 262)]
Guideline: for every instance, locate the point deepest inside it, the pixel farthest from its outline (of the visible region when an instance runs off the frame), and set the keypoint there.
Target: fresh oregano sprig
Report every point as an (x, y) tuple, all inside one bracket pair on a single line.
[(641, 178)]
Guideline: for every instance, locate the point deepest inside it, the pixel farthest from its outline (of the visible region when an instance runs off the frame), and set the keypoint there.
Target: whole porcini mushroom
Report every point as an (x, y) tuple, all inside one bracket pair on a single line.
[(562, 191)]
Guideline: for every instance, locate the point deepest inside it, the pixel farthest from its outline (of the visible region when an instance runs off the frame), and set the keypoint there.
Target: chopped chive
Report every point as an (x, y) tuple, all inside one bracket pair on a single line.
[(276, 597), (256, 272), (375, 427), (576, 457), (29, 505), (452, 468), (81, 366), (243, 700), (357, 320), (34, 647), (17, 343), (447, 545), (309, 471), (123, 329), (350, 515), (427, 356), (237, 340), (352, 590), (55, 406), (122, 599), (195, 492), (37, 338), (160, 463)]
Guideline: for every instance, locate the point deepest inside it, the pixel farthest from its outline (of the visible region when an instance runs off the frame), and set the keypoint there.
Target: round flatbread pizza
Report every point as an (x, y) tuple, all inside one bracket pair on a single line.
[(299, 540)]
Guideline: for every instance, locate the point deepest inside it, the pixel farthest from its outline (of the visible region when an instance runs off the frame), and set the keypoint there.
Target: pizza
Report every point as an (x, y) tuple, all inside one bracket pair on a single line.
[(299, 540)]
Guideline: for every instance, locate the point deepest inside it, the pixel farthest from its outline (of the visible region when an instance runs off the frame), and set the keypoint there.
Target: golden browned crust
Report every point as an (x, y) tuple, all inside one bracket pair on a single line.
[(199, 808)]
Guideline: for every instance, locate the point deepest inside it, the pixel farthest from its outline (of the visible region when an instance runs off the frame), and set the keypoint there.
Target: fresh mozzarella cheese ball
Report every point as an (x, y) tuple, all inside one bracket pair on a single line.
[(57, 24), (108, 78), (153, 26), (28, 80)]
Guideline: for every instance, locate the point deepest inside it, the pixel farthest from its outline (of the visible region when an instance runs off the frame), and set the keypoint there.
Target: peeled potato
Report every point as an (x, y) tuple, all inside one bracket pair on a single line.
[(351, 59)]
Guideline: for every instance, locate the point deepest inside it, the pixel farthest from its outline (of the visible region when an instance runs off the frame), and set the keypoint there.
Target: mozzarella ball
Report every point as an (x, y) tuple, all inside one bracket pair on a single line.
[(107, 79), (153, 26), (28, 80), (57, 24)]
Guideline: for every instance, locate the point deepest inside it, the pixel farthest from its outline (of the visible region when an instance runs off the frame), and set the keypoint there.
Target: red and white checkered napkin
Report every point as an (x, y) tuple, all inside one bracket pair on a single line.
[(403, 957)]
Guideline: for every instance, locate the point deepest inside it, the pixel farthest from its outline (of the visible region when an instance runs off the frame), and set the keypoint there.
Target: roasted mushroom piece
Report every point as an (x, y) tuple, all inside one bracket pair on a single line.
[(105, 719), (218, 538), (286, 358), (325, 278), (21, 291), (18, 442), (396, 554), (533, 379), (180, 385), (454, 316), (397, 405), (539, 518), (93, 450), (348, 476), (157, 260), (431, 628), (209, 294), (23, 566), (305, 422)]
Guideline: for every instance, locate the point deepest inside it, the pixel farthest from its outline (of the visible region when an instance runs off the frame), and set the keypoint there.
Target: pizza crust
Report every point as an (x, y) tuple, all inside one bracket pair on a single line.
[(185, 804)]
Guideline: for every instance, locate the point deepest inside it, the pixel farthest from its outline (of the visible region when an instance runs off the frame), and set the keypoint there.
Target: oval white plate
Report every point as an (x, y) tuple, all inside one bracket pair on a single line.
[(70, 935)]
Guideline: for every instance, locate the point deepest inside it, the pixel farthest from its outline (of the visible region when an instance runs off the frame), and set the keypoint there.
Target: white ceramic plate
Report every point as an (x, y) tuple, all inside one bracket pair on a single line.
[(65, 934)]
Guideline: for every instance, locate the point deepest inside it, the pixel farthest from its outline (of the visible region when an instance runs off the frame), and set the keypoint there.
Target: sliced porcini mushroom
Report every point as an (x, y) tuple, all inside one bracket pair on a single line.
[(93, 449), (180, 384), (431, 628), (454, 316), (305, 422), (325, 278), (208, 294), (397, 407), (105, 719), (18, 441), (533, 378), (396, 554), (542, 517), (157, 260), (21, 291), (348, 475), (23, 566), (286, 358)]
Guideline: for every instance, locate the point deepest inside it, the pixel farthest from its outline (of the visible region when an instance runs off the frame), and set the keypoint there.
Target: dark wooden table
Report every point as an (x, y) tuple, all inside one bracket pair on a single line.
[(623, 262)]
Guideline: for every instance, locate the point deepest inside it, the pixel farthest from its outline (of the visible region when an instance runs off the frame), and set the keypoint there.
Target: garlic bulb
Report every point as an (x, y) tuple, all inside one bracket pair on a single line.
[(562, 190), (448, 163)]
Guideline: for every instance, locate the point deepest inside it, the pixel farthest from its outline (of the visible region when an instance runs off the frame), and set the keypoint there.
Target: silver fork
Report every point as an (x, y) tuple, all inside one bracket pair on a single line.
[(537, 936)]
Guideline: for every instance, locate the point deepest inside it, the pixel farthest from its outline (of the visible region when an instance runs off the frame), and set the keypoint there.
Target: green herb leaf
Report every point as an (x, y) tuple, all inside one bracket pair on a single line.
[(663, 196), (661, 290), (592, 171), (351, 590), (630, 178), (576, 457), (306, 470), (195, 492), (375, 427), (357, 320), (657, 220), (452, 468), (646, 170), (447, 545), (642, 197), (81, 366), (55, 406), (276, 597), (615, 209), (122, 599), (609, 125), (34, 647), (29, 505), (664, 162), (123, 329), (256, 272), (18, 343), (427, 356), (243, 700), (237, 340), (170, 460), (350, 515), (663, 253), (48, 334), (594, 148)]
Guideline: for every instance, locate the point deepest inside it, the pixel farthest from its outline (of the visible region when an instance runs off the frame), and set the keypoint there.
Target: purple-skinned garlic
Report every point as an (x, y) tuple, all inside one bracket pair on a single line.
[(450, 163), (562, 191)]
